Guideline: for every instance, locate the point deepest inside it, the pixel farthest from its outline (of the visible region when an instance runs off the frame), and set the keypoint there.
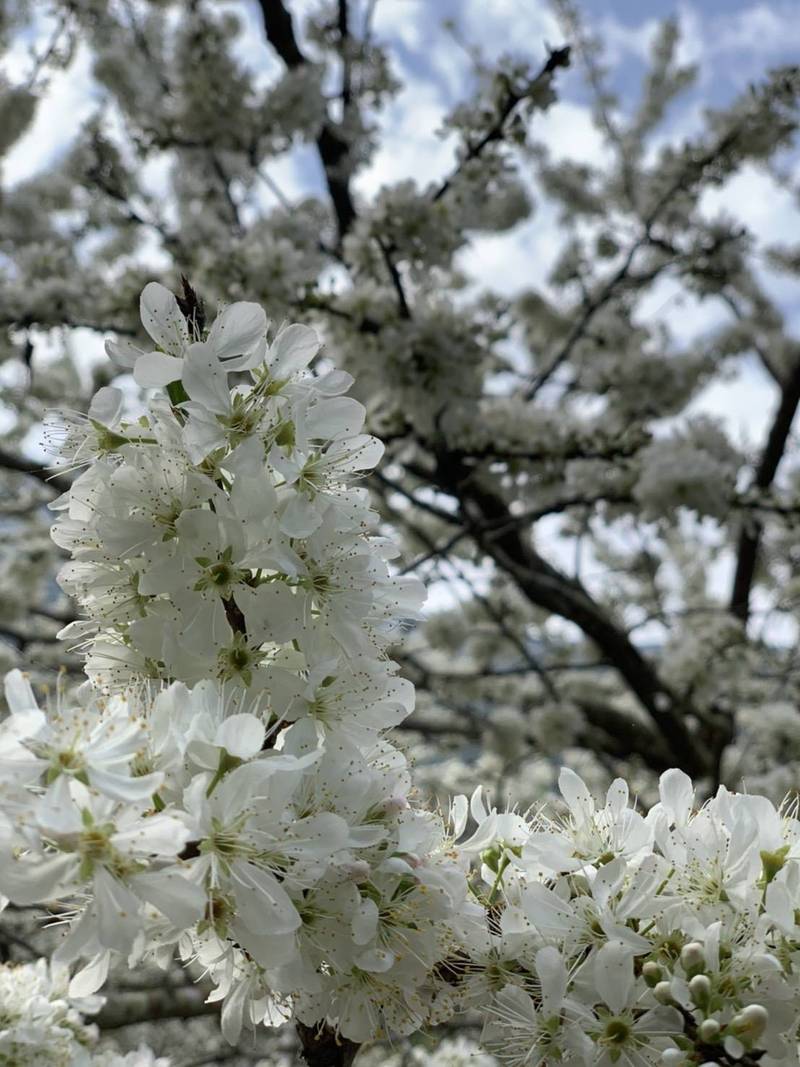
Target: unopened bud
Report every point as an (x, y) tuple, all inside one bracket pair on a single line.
[(700, 989), (356, 870), (663, 993), (709, 1030), (652, 973), (672, 1057), (491, 857), (751, 1022), (693, 958), (394, 805)]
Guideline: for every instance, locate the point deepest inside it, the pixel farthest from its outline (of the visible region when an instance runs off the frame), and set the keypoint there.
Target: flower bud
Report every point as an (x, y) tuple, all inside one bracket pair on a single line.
[(709, 1030), (700, 989), (394, 805), (491, 857), (663, 993), (672, 1057), (751, 1022), (693, 958), (356, 870), (652, 973)]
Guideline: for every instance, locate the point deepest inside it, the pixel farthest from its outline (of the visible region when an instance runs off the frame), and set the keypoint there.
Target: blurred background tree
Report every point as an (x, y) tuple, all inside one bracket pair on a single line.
[(611, 565)]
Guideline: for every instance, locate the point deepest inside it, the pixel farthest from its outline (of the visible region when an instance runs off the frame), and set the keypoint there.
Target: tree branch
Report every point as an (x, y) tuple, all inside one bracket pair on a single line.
[(332, 147), (546, 587), (559, 57), (750, 536), (59, 483), (153, 1004)]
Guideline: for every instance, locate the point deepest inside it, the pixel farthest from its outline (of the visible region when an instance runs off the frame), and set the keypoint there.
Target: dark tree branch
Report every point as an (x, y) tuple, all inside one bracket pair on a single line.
[(695, 170), (332, 147), (58, 483), (154, 1004), (559, 57), (750, 536), (547, 588)]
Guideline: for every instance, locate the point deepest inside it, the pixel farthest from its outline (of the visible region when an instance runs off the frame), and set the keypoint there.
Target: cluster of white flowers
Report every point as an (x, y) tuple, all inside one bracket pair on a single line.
[(42, 1025), (222, 787), (449, 1052), (616, 937)]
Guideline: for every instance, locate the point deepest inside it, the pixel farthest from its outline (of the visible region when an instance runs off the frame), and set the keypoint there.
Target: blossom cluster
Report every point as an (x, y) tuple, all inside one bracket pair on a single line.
[(222, 786), (225, 786), (617, 937), (42, 1025)]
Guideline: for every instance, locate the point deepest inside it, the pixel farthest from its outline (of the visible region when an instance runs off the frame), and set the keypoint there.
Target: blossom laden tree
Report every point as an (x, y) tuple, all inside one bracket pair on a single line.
[(567, 405)]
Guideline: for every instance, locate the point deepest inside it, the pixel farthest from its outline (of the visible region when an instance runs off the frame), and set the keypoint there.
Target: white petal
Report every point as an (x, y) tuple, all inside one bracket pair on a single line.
[(359, 453), (365, 922), (292, 350), (617, 797), (333, 383), (477, 805), (263, 902), (233, 1012), (237, 330), (340, 416), (376, 960), (272, 612), (459, 812), (89, 978), (241, 735), (106, 406), (553, 977), (154, 370), (205, 380), (157, 835), (162, 318), (123, 353), (301, 516), (613, 974), (123, 786), (56, 810), (19, 695), (117, 912), (575, 793), (181, 901), (677, 794), (29, 882)]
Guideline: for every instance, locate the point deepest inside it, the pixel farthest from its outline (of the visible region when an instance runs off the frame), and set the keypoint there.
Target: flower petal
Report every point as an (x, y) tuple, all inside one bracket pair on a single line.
[(292, 350), (237, 329), (162, 319), (154, 370)]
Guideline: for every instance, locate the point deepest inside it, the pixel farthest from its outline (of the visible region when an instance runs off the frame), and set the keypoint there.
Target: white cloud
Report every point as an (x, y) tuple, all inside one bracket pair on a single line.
[(621, 39), (510, 26), (756, 199), (69, 101), (508, 263), (759, 30), (745, 402), (686, 316), (409, 147), (569, 133)]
